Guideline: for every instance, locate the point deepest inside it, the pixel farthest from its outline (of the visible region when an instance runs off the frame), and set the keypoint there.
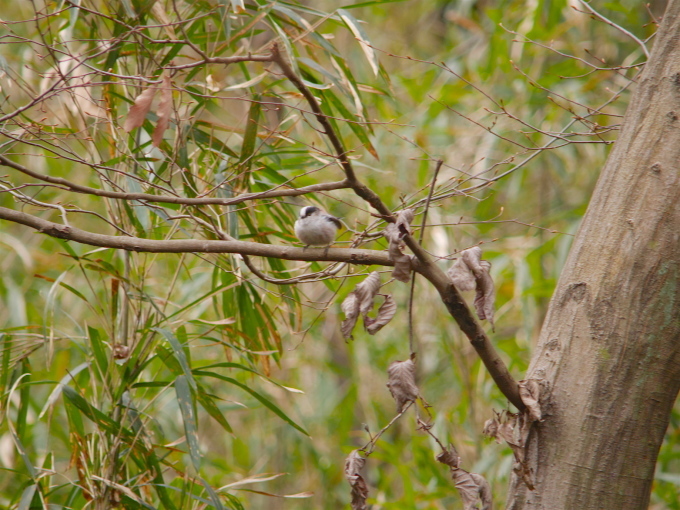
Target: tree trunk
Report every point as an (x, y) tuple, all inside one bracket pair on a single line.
[(608, 357)]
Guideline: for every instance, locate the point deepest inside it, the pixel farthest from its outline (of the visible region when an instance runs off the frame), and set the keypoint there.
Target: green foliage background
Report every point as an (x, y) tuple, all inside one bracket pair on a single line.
[(214, 352)]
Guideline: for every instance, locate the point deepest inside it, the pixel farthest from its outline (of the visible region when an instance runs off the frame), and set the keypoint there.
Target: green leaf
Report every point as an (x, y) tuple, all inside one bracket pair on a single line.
[(353, 24), (186, 406), (264, 401), (56, 392), (179, 354), (98, 350), (95, 415), (27, 497), (250, 137), (207, 403)]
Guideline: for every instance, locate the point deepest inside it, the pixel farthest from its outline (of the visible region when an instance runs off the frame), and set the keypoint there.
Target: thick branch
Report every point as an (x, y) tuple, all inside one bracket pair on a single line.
[(352, 256), (165, 199), (459, 310), (449, 294)]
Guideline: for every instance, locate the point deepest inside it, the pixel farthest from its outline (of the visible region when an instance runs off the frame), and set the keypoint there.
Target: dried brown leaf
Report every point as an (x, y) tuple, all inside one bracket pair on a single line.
[(394, 233), (472, 488), (385, 313), (491, 429), (139, 109), (402, 382), (359, 301), (485, 300), (449, 457), (461, 276), (530, 392), (163, 112), (484, 491), (350, 307), (471, 272), (354, 463), (402, 262), (366, 291)]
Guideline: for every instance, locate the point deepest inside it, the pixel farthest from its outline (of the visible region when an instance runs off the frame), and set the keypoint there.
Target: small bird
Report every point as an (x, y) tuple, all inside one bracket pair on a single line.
[(315, 227)]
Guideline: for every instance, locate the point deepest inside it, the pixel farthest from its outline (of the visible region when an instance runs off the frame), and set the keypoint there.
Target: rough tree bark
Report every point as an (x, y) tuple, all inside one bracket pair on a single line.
[(608, 357)]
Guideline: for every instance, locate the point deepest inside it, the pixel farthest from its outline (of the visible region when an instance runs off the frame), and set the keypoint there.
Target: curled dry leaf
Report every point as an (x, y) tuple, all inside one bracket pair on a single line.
[(491, 429), (471, 272), (514, 430), (461, 276), (395, 233), (530, 392), (385, 314), (354, 463), (449, 457), (350, 307), (472, 488), (139, 109), (366, 291), (360, 302), (402, 382), (163, 112)]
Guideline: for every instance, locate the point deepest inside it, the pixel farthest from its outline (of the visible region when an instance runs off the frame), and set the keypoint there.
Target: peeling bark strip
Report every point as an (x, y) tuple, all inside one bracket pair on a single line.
[(609, 351)]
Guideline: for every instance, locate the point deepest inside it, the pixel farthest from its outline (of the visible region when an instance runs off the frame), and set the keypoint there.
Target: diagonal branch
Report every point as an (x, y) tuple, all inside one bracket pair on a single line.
[(454, 302), (353, 182)]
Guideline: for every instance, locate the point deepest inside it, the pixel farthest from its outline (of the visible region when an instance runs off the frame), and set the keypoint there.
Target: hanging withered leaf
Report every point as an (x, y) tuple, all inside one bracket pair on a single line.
[(470, 272), (402, 382), (530, 392), (350, 307), (385, 313), (139, 109), (354, 463), (491, 429), (450, 457), (472, 488), (395, 233), (514, 430), (163, 112), (360, 302)]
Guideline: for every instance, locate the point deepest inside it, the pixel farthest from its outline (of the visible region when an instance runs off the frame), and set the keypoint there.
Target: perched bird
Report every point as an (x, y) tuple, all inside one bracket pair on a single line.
[(315, 227)]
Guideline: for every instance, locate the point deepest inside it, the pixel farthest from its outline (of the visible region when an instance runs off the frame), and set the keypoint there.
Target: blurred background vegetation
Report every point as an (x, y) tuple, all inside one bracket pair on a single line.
[(255, 376)]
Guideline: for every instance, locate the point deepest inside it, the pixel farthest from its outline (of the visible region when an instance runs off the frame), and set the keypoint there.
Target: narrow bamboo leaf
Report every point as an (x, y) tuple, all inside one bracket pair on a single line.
[(24, 398), (132, 413), (178, 351), (213, 495), (212, 142), (269, 405), (250, 137), (27, 497), (207, 403), (169, 360), (15, 436), (95, 415), (56, 392), (6, 347), (353, 24), (186, 407), (357, 129), (229, 364), (125, 492), (98, 350), (75, 419)]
